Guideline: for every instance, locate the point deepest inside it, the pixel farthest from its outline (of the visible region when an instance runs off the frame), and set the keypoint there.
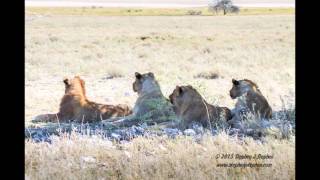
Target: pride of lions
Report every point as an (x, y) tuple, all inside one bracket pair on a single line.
[(184, 106)]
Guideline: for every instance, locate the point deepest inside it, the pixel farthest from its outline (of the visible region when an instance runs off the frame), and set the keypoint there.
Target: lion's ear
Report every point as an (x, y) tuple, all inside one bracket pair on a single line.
[(137, 75), (179, 90), (235, 82), (66, 81), (151, 74), (82, 83)]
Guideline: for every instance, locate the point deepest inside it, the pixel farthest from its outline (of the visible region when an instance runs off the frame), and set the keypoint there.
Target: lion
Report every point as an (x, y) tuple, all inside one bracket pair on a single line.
[(151, 106), (249, 101), (189, 107), (75, 106)]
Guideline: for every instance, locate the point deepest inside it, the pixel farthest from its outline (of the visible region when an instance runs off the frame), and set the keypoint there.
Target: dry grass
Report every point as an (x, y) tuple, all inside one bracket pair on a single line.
[(101, 11), (156, 158), (176, 49)]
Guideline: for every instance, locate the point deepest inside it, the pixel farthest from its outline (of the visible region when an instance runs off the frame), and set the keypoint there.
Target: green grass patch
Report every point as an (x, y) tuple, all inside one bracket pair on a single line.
[(100, 11)]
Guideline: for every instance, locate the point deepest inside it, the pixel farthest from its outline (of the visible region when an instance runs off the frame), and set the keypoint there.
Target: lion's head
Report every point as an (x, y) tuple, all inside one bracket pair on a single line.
[(145, 83), (74, 85), (184, 95), (239, 87)]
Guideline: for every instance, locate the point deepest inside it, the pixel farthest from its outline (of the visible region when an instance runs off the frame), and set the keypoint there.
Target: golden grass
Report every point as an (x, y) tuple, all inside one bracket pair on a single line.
[(157, 158), (101, 11), (176, 49)]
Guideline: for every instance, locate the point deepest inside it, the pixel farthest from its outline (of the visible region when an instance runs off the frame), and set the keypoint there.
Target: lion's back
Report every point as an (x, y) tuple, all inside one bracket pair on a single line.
[(259, 105)]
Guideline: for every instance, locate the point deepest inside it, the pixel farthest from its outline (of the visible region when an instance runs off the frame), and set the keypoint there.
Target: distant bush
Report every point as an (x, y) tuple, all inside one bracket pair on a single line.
[(207, 75), (223, 5), (234, 9), (193, 12)]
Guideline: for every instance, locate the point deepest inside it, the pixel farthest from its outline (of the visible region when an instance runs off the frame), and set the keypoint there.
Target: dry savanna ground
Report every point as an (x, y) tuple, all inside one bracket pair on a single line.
[(203, 51), (102, 11)]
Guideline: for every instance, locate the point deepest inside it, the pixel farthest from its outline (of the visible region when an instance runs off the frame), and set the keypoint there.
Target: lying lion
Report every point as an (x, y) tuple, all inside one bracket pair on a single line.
[(76, 107), (190, 107), (250, 101), (151, 106)]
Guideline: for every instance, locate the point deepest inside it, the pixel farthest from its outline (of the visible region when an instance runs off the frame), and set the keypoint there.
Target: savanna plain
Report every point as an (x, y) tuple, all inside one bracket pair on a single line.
[(203, 51)]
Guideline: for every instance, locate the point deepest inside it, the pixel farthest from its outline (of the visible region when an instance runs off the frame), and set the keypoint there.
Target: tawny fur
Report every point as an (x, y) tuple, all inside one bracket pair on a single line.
[(249, 100), (150, 107), (75, 106), (190, 107)]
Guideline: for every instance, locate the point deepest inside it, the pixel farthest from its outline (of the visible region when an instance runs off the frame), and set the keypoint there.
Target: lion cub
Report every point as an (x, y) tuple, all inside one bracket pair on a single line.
[(250, 100), (75, 106), (189, 107), (150, 107)]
